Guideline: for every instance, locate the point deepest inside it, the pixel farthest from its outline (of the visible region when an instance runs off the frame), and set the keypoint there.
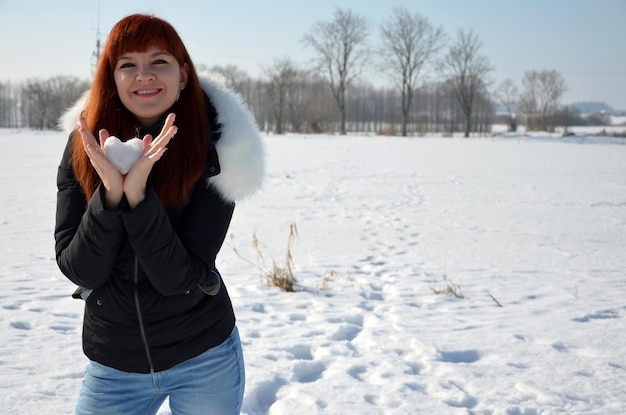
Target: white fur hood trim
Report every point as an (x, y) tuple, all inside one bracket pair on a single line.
[(240, 148)]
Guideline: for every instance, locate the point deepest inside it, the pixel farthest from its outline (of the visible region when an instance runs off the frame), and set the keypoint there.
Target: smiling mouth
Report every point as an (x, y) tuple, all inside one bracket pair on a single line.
[(147, 92)]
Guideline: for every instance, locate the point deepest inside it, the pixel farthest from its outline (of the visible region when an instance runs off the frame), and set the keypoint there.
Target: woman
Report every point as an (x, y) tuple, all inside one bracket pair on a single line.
[(142, 245)]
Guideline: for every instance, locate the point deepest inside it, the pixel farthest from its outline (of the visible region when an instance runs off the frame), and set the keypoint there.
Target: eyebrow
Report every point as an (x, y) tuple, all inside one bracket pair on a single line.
[(152, 55)]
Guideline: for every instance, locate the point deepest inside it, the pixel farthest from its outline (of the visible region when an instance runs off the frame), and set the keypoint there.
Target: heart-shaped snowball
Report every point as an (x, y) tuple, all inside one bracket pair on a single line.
[(123, 155)]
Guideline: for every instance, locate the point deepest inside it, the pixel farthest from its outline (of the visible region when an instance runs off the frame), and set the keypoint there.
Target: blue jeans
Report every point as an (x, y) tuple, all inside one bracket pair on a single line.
[(211, 383)]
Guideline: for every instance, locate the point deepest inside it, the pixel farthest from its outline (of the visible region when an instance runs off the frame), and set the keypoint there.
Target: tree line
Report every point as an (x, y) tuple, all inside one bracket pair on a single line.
[(436, 84)]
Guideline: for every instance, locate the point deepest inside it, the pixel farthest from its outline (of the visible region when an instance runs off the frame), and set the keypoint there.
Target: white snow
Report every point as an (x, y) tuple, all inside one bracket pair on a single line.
[(536, 225)]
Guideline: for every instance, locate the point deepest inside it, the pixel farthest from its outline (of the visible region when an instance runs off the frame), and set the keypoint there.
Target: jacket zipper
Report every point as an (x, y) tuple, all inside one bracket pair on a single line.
[(140, 316)]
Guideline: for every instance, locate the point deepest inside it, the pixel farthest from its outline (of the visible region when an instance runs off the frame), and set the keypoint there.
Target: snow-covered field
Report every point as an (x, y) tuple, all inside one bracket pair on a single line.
[(536, 226)]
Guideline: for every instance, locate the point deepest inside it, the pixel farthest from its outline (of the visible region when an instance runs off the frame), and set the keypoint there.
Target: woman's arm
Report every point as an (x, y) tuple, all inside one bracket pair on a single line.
[(177, 259), (88, 236)]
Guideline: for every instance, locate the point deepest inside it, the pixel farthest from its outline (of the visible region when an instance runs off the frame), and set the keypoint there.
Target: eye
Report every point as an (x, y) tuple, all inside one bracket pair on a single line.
[(160, 62), (126, 65)]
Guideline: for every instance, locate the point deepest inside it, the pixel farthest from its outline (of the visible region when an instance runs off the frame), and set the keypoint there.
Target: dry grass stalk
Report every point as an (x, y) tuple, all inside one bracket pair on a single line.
[(450, 288), (494, 299), (326, 277), (281, 277)]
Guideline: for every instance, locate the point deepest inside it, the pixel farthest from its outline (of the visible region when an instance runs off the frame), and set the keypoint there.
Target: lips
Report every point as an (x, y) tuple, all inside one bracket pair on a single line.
[(147, 92)]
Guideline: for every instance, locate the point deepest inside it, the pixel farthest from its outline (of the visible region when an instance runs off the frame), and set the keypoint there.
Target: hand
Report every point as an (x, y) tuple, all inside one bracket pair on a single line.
[(134, 185), (112, 179)]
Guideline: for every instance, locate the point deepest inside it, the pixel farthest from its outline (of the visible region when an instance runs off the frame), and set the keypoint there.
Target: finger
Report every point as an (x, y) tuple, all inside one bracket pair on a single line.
[(146, 141), (104, 135), (83, 128), (154, 153), (162, 140), (166, 135), (169, 129), (157, 154), (89, 141), (169, 121), (153, 148), (82, 123)]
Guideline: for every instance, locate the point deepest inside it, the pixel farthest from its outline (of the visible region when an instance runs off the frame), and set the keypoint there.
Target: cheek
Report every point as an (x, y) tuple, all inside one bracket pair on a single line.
[(121, 85), (120, 80)]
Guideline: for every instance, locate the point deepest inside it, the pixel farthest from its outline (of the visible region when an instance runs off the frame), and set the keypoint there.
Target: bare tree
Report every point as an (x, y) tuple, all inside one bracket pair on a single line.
[(298, 97), (409, 42), (9, 106), (236, 78), (540, 97), (483, 112), (35, 98), (254, 95), (341, 48), (43, 101), (465, 73), (507, 94), (315, 104), (233, 75), (282, 77)]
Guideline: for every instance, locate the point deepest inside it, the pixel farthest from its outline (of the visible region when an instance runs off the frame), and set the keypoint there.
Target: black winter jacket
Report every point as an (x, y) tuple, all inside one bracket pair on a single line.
[(144, 266)]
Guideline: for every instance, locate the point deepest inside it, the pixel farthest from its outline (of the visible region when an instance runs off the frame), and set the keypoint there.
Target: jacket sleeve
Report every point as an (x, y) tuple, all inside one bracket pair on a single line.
[(87, 236), (177, 259)]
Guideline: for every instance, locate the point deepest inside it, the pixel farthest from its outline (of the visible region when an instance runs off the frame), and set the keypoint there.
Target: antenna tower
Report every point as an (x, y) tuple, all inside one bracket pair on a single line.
[(96, 53)]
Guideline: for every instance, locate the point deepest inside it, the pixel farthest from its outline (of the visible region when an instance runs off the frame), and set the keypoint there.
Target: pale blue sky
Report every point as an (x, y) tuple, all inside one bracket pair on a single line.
[(582, 39)]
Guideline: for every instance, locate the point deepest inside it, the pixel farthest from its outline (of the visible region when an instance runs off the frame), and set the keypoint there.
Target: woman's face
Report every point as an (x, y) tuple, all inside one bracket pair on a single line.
[(148, 83)]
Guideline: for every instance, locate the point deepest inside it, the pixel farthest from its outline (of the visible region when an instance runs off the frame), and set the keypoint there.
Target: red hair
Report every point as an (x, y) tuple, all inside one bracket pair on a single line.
[(187, 154)]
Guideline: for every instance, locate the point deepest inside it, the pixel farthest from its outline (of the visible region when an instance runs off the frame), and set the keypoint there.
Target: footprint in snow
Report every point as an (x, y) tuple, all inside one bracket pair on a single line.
[(356, 319), (258, 308), (21, 325), (307, 372), (371, 399), (263, 395), (63, 329), (297, 317), (357, 371), (301, 352), (600, 315), (461, 398), (346, 333), (460, 356), (413, 369)]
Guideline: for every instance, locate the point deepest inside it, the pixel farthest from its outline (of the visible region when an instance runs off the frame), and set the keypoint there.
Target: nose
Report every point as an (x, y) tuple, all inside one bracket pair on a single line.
[(144, 73)]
